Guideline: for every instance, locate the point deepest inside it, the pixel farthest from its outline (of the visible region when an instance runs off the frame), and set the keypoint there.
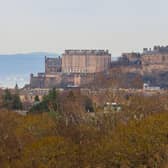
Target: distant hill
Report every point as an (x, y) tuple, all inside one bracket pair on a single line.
[(33, 54)]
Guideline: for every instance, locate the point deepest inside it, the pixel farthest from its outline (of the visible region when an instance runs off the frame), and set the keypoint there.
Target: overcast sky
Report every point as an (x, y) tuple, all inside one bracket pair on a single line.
[(55, 25)]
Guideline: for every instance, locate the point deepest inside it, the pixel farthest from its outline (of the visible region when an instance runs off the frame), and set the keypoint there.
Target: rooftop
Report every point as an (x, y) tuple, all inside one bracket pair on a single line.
[(87, 52), (156, 50)]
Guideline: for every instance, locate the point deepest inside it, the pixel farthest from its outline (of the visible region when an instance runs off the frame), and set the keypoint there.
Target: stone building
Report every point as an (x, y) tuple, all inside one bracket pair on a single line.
[(85, 61), (76, 67), (37, 81), (149, 60), (80, 67), (51, 77), (155, 60), (53, 65), (77, 79), (131, 60)]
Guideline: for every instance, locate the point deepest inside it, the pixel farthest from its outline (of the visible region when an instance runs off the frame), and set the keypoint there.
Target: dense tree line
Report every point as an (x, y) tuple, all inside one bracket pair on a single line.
[(38, 141), (11, 101), (68, 101), (63, 135)]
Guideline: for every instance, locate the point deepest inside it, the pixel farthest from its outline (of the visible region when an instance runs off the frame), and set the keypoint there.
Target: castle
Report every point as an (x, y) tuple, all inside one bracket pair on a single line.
[(154, 58), (151, 64), (74, 68), (80, 67)]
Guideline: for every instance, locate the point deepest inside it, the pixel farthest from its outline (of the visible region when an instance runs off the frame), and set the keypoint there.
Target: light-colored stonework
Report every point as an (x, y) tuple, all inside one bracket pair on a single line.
[(155, 60), (75, 67), (85, 61), (79, 67)]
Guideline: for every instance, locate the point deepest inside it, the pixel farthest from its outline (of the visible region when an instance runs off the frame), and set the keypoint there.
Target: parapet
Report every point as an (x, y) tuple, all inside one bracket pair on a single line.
[(156, 50), (87, 52)]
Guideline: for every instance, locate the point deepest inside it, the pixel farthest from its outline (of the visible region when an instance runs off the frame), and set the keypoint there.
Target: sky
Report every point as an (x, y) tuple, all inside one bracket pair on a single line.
[(55, 25)]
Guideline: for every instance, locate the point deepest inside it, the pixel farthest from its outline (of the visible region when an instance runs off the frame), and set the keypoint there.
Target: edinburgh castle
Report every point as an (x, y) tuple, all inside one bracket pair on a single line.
[(79, 67), (74, 68)]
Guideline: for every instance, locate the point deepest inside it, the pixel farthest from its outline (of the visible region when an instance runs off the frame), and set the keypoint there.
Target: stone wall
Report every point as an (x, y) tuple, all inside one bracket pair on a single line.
[(131, 57), (37, 81), (53, 80), (159, 58), (155, 62), (85, 61), (78, 67), (53, 65)]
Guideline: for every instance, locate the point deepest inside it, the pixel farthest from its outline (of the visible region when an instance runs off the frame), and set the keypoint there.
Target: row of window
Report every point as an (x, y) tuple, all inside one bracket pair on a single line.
[(75, 70)]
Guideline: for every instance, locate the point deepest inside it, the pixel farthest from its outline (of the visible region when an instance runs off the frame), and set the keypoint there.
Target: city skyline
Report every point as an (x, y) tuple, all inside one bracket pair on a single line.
[(54, 25)]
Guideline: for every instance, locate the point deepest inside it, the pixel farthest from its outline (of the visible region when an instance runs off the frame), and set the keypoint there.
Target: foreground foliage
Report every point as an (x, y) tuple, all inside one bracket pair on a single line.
[(11, 101), (43, 141)]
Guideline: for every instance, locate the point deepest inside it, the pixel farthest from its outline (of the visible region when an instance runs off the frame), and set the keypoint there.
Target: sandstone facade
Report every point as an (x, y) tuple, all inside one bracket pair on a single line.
[(53, 65), (76, 67), (79, 67), (155, 60), (85, 61)]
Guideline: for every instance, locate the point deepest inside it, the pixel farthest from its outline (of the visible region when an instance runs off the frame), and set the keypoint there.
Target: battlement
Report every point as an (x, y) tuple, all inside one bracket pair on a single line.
[(85, 61), (87, 52), (156, 50)]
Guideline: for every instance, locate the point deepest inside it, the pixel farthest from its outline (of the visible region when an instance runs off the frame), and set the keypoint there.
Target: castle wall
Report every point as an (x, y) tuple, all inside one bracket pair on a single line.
[(85, 61), (53, 80), (155, 62), (159, 58), (53, 65), (76, 67), (132, 59), (37, 81)]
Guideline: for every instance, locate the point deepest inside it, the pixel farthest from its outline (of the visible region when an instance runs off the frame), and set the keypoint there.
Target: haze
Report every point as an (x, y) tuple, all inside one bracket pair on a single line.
[(55, 25)]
